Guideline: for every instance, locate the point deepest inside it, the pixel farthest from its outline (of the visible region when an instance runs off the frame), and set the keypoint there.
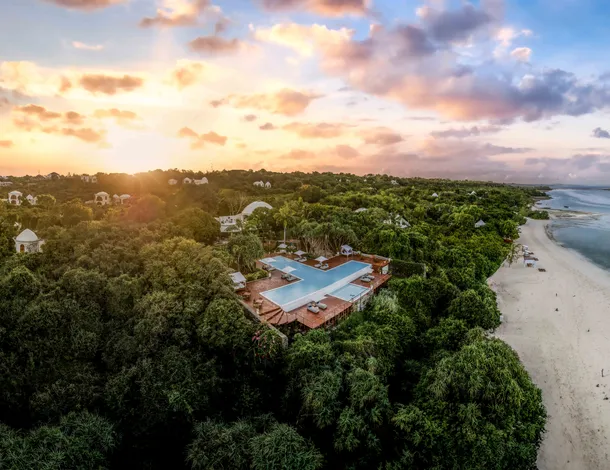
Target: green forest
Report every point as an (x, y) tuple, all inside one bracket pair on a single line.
[(123, 344)]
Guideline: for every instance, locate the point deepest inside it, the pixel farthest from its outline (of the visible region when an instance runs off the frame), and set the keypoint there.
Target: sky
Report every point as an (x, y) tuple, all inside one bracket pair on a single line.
[(502, 90)]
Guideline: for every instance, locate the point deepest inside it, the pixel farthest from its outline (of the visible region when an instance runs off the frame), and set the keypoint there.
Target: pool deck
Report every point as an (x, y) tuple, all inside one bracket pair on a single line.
[(337, 308)]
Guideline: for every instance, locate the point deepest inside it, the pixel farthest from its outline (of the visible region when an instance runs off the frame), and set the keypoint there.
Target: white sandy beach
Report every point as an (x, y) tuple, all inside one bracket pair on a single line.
[(564, 351)]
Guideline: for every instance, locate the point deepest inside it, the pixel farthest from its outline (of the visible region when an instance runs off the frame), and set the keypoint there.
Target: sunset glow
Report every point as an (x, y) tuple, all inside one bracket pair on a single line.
[(483, 90)]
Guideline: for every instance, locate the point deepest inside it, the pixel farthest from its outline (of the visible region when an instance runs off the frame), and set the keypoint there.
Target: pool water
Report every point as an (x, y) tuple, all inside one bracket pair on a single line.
[(349, 292), (312, 281)]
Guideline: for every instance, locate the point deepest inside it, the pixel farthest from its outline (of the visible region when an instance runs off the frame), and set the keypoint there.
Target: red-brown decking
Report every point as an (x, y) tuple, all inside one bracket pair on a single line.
[(337, 309)]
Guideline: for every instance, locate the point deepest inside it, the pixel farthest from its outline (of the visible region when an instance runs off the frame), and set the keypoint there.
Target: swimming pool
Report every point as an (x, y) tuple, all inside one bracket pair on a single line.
[(312, 281), (349, 292)]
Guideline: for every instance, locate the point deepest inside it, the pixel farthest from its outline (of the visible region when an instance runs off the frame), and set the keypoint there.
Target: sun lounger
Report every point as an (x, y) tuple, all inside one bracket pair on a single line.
[(325, 267), (319, 265), (322, 306), (313, 309), (291, 278), (365, 279)]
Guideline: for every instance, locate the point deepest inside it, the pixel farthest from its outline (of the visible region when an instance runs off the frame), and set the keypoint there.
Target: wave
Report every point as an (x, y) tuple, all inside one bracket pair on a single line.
[(587, 198)]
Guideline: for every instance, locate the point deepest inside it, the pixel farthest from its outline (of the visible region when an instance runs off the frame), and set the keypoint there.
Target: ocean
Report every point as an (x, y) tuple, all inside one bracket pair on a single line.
[(589, 236)]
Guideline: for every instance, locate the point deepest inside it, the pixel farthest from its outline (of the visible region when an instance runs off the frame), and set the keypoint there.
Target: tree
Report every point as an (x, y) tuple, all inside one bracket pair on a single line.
[(146, 209), (245, 248), (80, 441), (45, 200), (283, 448), (198, 224), (75, 212), (220, 445)]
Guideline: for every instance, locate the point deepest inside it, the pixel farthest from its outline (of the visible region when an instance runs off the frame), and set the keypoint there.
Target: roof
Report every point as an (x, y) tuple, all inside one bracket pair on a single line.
[(16, 192), (102, 193), (27, 236), (237, 277), (346, 247), (255, 205)]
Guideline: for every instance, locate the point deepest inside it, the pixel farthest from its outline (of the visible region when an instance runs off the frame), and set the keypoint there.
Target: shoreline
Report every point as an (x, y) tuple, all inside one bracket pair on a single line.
[(563, 350)]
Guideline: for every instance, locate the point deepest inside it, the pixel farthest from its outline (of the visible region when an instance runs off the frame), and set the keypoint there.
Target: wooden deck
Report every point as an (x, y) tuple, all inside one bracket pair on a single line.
[(337, 309)]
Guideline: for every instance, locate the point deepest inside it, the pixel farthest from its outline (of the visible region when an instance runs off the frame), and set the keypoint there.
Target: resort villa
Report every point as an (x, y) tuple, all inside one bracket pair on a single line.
[(28, 242), (312, 293), (234, 223), (14, 198)]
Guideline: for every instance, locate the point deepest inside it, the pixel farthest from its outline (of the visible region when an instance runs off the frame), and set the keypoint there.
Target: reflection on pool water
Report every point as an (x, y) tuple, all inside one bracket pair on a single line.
[(312, 281), (349, 292)]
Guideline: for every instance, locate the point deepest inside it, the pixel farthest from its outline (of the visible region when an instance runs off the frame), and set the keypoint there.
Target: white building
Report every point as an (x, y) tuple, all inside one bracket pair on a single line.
[(267, 185), (234, 223), (102, 198), (14, 198), (259, 184), (434, 195), (31, 199), (362, 209), (94, 179), (6, 183), (28, 242), (474, 193), (480, 223), (124, 198), (85, 178), (172, 182), (203, 180), (187, 180), (394, 182), (397, 220)]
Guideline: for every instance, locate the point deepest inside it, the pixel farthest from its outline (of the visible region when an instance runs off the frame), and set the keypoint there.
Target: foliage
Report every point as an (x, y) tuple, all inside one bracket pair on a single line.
[(256, 275), (123, 344), (400, 268), (538, 215)]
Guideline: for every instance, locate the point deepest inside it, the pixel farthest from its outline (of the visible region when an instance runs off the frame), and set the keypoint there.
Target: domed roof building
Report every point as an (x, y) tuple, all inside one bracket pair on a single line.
[(28, 242)]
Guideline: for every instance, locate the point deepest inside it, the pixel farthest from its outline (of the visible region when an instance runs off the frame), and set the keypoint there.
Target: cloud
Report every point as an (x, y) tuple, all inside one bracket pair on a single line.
[(120, 116), (187, 73), (64, 85), (85, 5), (600, 133), (285, 102), (381, 136), (250, 117), (452, 25), (320, 7), (216, 45), (109, 85), (347, 152), (176, 13), (6, 144), (298, 154), (522, 54), (322, 130), (85, 134), (466, 132), (199, 140), (267, 127), (87, 47), (302, 38), (74, 118), (38, 111), (422, 72)]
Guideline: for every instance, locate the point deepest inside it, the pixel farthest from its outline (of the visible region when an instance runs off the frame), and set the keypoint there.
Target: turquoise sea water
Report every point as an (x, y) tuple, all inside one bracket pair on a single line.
[(590, 237)]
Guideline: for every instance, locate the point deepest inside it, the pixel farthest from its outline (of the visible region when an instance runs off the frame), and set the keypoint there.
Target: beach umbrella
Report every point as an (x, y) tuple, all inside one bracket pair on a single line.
[(299, 253), (321, 259), (282, 246), (287, 269), (268, 260)]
